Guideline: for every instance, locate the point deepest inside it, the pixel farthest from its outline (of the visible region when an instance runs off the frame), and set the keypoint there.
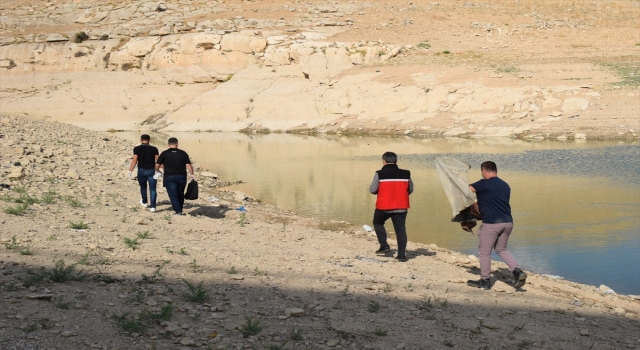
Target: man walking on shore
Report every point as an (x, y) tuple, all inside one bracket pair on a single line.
[(393, 187), (145, 157), (175, 162), (493, 200)]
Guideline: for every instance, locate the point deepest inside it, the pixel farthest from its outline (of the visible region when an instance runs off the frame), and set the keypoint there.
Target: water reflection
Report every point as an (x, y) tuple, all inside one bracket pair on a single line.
[(576, 206)]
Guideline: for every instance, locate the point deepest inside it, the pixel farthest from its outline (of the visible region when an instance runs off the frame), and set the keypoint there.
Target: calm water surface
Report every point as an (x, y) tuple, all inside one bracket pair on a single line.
[(576, 206)]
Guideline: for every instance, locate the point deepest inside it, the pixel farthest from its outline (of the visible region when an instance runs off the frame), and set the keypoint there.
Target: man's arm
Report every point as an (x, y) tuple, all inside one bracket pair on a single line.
[(159, 161), (190, 169), (472, 189), (410, 186), (134, 161), (373, 188)]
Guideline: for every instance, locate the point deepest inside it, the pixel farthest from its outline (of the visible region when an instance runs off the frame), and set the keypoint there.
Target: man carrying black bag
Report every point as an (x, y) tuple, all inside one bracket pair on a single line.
[(176, 163)]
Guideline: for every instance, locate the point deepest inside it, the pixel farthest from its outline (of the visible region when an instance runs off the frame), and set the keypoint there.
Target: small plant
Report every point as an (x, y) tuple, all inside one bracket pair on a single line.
[(250, 328), (243, 219), (430, 317), (195, 268), (525, 343), (182, 251), (232, 270), (61, 304), (197, 293), (167, 217), (446, 52), (257, 272), (134, 325), (144, 235), (296, 334), (17, 209), (424, 45), (409, 288), (157, 274), (387, 288), (134, 209), (426, 303), (26, 251), (131, 243), (73, 202), (80, 37), (345, 291), (52, 238), (78, 225), (165, 314), (62, 273), (448, 343), (13, 244), (49, 197), (373, 306), (380, 332)]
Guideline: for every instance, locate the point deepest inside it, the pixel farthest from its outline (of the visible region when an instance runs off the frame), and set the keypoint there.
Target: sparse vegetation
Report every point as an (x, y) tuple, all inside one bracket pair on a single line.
[(232, 270), (196, 294), (144, 235), (448, 343), (387, 288), (73, 202), (380, 332), (60, 273), (525, 343), (13, 244), (26, 251), (17, 209), (424, 45), (80, 225), (296, 334), (250, 328), (182, 251), (373, 306), (131, 243), (80, 37), (49, 197)]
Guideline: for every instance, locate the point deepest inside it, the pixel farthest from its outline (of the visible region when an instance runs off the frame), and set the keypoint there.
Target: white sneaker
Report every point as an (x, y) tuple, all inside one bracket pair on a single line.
[(143, 204), (153, 210)]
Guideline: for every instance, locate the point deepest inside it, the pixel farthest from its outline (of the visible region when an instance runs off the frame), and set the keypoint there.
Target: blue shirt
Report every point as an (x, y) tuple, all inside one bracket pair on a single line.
[(493, 200)]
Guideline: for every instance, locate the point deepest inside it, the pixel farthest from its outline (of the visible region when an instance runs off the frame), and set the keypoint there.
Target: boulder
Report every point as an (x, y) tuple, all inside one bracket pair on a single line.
[(237, 42), (258, 45), (574, 104), (142, 46)]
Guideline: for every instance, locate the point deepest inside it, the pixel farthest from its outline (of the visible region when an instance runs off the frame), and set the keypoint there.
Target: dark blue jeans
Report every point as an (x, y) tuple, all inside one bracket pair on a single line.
[(144, 176), (175, 185), (398, 219)]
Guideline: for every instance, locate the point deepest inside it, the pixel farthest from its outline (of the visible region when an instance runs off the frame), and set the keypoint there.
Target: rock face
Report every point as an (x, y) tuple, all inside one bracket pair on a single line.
[(158, 66)]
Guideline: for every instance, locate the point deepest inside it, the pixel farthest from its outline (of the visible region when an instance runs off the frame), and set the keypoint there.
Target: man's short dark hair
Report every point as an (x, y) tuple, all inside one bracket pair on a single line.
[(489, 166), (390, 157), (145, 137), (173, 141)]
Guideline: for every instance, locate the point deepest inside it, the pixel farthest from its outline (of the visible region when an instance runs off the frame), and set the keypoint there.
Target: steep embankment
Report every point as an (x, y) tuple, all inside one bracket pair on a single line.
[(274, 66)]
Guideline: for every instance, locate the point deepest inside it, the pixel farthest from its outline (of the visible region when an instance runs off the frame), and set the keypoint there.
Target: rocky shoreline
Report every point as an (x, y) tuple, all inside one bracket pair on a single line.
[(84, 265)]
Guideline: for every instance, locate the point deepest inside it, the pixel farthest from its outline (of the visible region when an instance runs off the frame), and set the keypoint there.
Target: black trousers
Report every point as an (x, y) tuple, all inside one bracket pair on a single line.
[(398, 220)]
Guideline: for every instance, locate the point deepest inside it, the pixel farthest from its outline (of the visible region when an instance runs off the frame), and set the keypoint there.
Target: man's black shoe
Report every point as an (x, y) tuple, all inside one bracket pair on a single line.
[(519, 278), (384, 250), (481, 283), (401, 258)]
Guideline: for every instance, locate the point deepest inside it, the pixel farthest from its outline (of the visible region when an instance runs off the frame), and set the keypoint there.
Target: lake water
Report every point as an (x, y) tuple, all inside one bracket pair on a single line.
[(576, 205)]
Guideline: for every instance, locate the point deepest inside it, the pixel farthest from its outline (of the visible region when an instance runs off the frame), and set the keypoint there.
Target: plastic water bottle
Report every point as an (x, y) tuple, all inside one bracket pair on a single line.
[(367, 228)]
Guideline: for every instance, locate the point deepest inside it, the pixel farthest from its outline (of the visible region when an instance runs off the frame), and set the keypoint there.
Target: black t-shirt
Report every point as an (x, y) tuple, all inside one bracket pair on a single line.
[(175, 161), (146, 156), (493, 200)]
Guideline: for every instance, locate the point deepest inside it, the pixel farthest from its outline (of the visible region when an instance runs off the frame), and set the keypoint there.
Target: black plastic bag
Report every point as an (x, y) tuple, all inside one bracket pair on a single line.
[(192, 190)]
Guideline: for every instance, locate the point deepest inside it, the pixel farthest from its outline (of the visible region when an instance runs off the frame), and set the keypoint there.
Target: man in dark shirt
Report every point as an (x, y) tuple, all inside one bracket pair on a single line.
[(493, 200), (176, 162), (393, 186), (145, 157)]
